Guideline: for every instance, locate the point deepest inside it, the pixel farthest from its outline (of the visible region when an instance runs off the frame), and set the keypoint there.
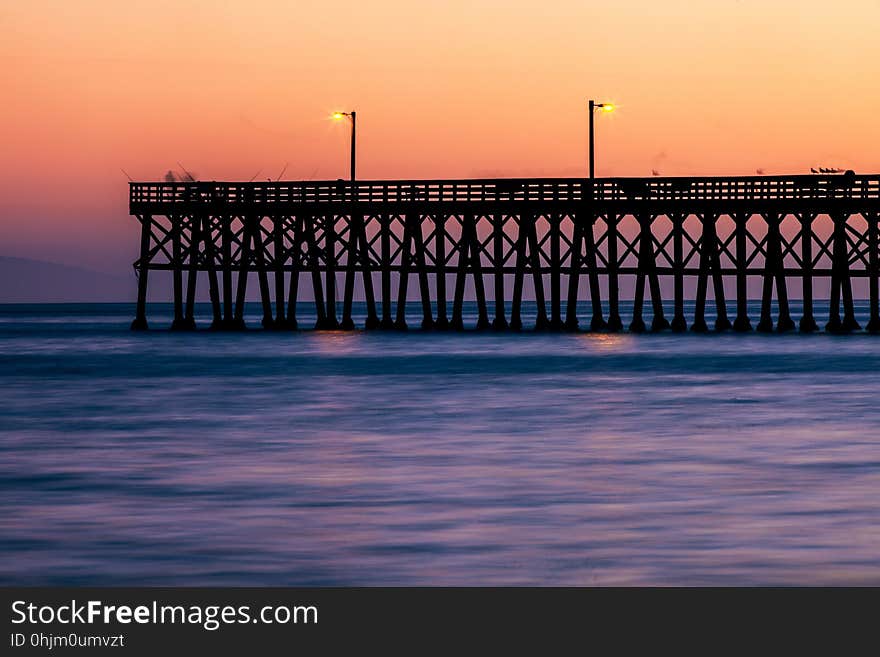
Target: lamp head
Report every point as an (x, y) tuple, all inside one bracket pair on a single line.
[(606, 108)]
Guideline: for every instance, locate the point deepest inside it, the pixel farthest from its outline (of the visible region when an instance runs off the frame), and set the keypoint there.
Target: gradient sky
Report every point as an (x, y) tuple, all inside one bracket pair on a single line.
[(442, 89)]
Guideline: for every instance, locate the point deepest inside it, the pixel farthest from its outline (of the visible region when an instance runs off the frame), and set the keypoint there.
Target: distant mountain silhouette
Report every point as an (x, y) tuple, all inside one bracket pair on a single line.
[(24, 280)]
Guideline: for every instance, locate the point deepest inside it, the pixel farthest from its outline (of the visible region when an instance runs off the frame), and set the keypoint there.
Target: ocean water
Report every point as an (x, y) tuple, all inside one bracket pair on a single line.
[(359, 458)]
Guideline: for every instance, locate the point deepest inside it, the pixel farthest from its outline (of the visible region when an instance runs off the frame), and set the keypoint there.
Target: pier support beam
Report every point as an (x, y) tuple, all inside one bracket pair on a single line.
[(330, 321), (442, 322), (500, 321), (807, 323), (742, 323), (555, 221), (710, 264), (195, 234), (597, 321), (583, 252), (840, 281), (142, 269), (469, 257), (774, 270), (519, 275), (614, 322), (356, 229), (421, 260), (226, 238), (873, 219), (177, 271), (647, 267), (358, 253), (679, 323), (457, 323), (385, 254), (722, 322), (241, 283), (280, 257), (296, 262), (259, 249), (211, 266), (527, 254), (413, 251), (574, 272), (314, 259), (541, 321)]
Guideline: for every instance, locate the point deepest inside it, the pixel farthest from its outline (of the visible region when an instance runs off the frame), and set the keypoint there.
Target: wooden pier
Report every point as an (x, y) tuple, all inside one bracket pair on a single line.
[(577, 235)]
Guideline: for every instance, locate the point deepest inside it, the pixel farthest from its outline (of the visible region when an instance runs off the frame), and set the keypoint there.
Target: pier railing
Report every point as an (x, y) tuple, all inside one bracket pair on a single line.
[(501, 190)]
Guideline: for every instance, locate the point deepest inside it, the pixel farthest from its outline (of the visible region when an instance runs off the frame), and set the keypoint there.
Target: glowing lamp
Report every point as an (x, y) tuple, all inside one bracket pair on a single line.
[(352, 116)]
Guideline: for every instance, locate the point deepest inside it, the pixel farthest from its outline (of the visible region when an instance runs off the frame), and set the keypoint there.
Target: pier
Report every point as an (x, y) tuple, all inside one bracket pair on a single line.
[(570, 237)]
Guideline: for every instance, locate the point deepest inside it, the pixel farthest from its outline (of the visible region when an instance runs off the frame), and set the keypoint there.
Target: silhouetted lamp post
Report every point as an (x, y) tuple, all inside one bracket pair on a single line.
[(614, 323), (602, 107), (352, 116)]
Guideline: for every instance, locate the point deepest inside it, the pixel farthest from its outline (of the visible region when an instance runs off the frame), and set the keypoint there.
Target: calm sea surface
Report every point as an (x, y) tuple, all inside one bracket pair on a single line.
[(386, 458)]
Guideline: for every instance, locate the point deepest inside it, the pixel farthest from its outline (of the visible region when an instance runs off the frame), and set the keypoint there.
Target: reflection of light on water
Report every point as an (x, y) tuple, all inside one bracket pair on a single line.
[(606, 341), (335, 342)]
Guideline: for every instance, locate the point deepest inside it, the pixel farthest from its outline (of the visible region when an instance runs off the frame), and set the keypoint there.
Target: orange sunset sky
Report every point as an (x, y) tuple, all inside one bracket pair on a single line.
[(442, 89)]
